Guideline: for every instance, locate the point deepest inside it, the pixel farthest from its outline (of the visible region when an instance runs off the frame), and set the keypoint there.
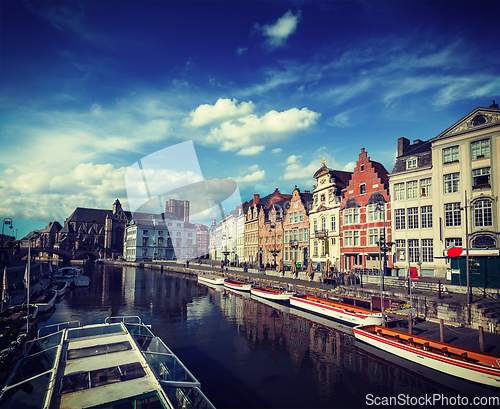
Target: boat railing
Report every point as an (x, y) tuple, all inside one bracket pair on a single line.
[(51, 329), (123, 318)]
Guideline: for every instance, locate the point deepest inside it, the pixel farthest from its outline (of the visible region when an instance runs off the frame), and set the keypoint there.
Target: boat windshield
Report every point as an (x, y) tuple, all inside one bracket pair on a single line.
[(95, 331)]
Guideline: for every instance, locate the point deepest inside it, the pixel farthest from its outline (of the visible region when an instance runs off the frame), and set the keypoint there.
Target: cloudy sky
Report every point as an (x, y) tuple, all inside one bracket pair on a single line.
[(264, 90)]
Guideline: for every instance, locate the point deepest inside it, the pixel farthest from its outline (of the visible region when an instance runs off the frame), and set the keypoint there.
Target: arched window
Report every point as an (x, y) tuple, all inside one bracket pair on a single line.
[(484, 241)]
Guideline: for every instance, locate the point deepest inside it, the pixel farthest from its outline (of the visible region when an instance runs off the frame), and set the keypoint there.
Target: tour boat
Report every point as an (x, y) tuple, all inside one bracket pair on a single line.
[(237, 285), (466, 363), (271, 293), (68, 272), (333, 309), (44, 300), (73, 276), (114, 364), (59, 287), (209, 279)]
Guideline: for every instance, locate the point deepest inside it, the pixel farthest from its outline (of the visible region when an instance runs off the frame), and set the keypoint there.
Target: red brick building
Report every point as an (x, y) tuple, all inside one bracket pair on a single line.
[(365, 202)]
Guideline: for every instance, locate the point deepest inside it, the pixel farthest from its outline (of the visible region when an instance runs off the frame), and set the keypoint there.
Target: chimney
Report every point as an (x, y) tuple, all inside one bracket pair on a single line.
[(403, 144), (307, 191), (256, 198), (494, 105), (417, 141)]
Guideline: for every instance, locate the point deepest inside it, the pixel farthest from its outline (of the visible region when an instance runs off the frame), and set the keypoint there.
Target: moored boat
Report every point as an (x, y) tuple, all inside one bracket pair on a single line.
[(237, 285), (44, 300), (271, 293), (333, 309), (105, 365), (68, 272), (59, 287), (73, 276), (466, 363), (210, 279), (18, 312)]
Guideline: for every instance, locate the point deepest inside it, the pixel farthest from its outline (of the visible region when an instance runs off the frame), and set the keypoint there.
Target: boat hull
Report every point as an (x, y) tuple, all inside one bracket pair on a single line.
[(336, 311), (268, 294), (453, 366), (48, 303), (237, 285), (214, 280)]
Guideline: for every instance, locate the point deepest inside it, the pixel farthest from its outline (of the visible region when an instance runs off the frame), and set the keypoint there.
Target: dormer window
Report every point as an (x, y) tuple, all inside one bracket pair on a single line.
[(411, 163)]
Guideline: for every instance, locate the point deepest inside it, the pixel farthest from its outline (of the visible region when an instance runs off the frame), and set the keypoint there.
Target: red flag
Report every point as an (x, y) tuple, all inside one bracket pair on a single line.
[(413, 273)]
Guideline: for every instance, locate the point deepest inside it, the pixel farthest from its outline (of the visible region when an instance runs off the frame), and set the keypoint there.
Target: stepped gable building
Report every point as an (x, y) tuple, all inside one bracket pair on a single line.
[(254, 218), (296, 228), (365, 216), (448, 188), (324, 215)]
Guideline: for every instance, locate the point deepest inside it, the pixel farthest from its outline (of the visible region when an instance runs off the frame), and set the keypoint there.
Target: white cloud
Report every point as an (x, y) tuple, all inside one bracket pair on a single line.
[(252, 130), (254, 177), (241, 50), (349, 167), (278, 32), (9, 171), (223, 109), (252, 150), (253, 168), (292, 159), (277, 150)]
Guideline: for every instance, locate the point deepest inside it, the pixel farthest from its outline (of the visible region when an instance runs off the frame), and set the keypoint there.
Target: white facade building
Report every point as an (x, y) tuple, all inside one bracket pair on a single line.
[(161, 238), (445, 190)]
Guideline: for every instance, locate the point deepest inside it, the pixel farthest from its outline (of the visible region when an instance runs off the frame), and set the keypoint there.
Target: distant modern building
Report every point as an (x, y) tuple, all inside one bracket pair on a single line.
[(180, 208)]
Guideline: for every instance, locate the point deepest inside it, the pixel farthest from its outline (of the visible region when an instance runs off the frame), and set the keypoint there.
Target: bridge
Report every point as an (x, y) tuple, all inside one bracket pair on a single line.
[(67, 255)]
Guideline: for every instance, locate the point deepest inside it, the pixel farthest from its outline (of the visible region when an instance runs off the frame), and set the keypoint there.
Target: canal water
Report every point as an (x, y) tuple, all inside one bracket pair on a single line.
[(249, 354)]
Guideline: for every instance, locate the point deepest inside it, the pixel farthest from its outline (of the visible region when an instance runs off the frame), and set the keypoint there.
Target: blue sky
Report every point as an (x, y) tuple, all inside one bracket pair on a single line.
[(264, 90)]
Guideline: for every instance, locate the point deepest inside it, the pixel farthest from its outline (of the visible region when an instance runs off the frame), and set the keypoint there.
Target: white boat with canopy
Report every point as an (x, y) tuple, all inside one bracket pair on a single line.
[(115, 364)]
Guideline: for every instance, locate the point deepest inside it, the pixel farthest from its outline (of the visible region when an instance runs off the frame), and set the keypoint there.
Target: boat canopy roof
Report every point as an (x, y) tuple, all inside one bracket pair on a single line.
[(101, 366)]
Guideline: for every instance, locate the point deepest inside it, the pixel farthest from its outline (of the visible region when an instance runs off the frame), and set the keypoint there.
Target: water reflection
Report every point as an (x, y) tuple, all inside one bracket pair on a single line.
[(248, 352)]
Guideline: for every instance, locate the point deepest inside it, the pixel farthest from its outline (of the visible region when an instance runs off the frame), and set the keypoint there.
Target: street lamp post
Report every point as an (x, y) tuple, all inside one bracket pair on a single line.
[(28, 275), (276, 251), (7, 221), (469, 294)]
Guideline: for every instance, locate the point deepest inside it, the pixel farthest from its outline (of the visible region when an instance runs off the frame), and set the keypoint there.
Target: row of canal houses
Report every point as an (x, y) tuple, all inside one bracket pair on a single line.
[(441, 193)]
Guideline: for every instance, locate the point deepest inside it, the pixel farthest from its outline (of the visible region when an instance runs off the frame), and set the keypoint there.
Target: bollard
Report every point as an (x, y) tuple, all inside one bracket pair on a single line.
[(361, 280), (439, 289), (441, 330), (481, 339)]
